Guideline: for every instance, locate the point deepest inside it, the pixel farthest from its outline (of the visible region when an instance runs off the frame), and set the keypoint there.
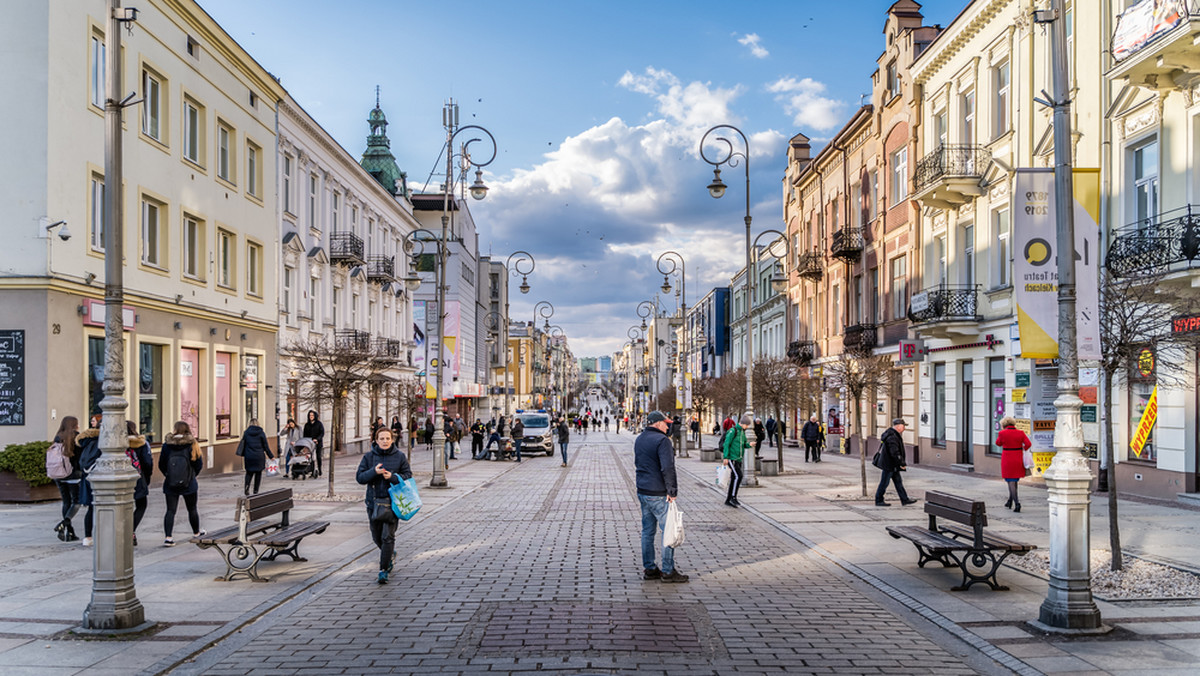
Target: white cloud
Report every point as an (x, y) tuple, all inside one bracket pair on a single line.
[(693, 105), (752, 41), (804, 101)]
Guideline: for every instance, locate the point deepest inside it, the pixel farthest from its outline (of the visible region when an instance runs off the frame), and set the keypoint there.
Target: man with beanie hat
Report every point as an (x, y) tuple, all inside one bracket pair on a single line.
[(654, 459)]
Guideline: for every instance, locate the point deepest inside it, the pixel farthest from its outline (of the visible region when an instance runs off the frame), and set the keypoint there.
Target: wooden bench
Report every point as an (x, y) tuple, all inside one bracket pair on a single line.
[(976, 553), (263, 531)]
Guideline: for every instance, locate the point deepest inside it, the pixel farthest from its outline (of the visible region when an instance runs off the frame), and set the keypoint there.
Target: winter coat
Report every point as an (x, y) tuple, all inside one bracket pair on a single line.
[(87, 450), (518, 430), (564, 432), (811, 431), (772, 426), (139, 450), (735, 444), (1013, 443), (393, 460), (255, 449), (892, 450), (315, 430), (654, 460), (289, 438), (175, 444), (759, 432)]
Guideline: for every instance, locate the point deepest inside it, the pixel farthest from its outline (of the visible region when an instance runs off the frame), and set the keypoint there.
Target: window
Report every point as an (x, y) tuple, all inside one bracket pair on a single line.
[(1000, 266), (193, 132), (95, 347), (193, 248), (856, 205), (312, 202), (968, 117), (337, 300), (335, 211), (899, 287), (873, 308), (939, 259), (152, 106), (254, 269), (899, 176), (859, 311), (288, 275), (939, 405), (313, 287), (152, 233), (226, 259), (837, 308), (1141, 387), (96, 212), (150, 391), (1000, 75), (370, 236), (97, 72), (967, 232), (354, 311), (223, 391), (287, 183), (873, 198), (354, 220), (1145, 183), (996, 393), (252, 167), (225, 160), (893, 81), (939, 128)]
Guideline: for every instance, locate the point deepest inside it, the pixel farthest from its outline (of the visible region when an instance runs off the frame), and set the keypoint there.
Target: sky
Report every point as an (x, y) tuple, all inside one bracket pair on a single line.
[(597, 109)]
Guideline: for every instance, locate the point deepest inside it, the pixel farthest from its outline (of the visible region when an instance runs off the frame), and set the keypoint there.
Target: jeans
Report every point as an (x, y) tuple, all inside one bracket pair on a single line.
[(654, 521), (892, 475), (287, 462), (564, 451), (189, 500), (494, 439), (517, 443)]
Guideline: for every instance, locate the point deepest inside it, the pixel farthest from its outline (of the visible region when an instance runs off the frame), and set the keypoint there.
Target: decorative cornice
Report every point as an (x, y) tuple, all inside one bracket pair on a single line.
[(954, 39)]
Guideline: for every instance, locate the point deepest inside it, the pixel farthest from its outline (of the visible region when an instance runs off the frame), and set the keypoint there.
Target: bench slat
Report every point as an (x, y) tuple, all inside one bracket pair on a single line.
[(993, 540), (968, 518), (935, 542), (956, 502), (286, 536)]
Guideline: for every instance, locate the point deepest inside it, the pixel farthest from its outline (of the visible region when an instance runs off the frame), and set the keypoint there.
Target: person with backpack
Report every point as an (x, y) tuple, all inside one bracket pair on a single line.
[(314, 429), (179, 461), (62, 465), (381, 468), (254, 450)]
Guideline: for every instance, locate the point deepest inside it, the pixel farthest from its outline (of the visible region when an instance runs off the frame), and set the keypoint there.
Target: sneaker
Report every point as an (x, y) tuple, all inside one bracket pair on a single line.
[(383, 577), (564, 464), (910, 501), (880, 503), (674, 576), (651, 574), (87, 542), (737, 503), (169, 542)]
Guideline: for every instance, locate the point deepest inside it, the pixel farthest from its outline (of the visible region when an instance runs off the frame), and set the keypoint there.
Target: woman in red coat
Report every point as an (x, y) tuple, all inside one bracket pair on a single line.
[(1013, 443)]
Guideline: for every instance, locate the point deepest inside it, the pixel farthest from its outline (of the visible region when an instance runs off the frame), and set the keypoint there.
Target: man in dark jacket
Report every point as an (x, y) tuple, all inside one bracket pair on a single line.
[(477, 431), (518, 436), (654, 459), (254, 450), (772, 429), (381, 468), (892, 462), (813, 439)]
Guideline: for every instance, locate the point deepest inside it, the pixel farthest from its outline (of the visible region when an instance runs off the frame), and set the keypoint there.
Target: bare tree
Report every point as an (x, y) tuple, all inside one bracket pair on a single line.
[(861, 373), (665, 401), (776, 386), (729, 392), (702, 396), (333, 371)]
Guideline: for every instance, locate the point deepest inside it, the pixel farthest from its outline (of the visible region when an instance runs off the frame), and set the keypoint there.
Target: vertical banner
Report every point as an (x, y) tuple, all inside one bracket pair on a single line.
[(1149, 414), (1035, 237)]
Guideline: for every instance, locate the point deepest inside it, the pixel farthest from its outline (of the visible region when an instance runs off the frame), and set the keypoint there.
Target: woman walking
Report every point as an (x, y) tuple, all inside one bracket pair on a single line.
[(254, 450), (733, 452), (1014, 443), (381, 468), (564, 437), (87, 447), (68, 487), (314, 429), (179, 461), (288, 439), (139, 456)]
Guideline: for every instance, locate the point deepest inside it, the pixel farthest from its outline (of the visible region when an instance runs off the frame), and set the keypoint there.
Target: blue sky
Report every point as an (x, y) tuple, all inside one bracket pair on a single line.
[(597, 109)]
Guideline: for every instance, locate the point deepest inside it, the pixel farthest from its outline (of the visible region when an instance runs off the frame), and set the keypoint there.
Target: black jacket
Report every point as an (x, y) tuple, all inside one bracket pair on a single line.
[(255, 449), (892, 447), (518, 430), (179, 443), (315, 430), (811, 431), (393, 460), (654, 459), (564, 432)]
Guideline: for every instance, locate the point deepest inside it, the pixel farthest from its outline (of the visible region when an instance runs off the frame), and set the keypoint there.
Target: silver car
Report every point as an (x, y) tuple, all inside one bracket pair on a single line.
[(538, 435)]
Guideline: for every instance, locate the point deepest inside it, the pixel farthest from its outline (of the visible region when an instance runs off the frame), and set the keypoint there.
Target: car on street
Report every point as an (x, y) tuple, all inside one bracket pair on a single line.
[(538, 431)]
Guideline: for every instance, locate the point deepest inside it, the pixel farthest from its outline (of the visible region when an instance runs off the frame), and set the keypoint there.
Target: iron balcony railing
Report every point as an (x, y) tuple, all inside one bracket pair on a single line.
[(811, 265), (859, 337), (381, 269), (387, 349), (1170, 240), (847, 244), (346, 248), (352, 339), (945, 303), (951, 161), (801, 351)]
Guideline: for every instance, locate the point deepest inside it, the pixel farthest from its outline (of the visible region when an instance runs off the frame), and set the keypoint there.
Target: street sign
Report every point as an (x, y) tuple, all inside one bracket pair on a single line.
[(1087, 414), (1021, 379), (919, 302)]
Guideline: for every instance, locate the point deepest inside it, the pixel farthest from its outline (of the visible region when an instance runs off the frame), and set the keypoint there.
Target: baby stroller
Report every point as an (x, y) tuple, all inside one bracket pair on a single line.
[(302, 459)]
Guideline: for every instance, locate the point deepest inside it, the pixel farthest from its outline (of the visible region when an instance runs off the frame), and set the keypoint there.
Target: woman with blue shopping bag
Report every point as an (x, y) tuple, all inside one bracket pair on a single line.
[(380, 469)]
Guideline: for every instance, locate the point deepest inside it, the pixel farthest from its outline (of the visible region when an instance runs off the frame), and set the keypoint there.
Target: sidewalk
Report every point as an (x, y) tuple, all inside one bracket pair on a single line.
[(821, 505), (45, 584)]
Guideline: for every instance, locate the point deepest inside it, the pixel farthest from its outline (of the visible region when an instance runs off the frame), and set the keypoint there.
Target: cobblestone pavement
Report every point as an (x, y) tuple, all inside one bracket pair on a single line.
[(541, 571)]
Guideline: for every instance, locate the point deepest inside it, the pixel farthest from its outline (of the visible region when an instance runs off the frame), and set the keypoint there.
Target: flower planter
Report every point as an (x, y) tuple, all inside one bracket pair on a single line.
[(15, 489)]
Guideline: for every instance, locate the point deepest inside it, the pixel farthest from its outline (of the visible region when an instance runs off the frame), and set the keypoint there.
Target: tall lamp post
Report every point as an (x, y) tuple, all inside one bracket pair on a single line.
[(560, 377), (545, 310), (492, 321), (478, 191), (731, 156), (676, 261), (513, 267)]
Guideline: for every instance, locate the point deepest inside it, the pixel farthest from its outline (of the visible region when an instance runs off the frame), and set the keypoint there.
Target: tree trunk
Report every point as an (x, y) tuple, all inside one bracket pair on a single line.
[(779, 439), (1114, 528), (339, 403)]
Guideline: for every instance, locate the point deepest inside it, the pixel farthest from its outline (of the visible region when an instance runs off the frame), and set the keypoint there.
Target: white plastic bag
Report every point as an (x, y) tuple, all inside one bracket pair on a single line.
[(1027, 459), (273, 468), (673, 531), (724, 476)]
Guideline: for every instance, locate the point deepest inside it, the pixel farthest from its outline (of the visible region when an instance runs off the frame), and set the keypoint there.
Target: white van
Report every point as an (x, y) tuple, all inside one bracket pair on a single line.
[(538, 435)]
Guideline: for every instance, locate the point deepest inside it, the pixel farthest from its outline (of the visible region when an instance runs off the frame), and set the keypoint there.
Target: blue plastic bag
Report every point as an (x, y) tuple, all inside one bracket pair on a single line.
[(405, 499)]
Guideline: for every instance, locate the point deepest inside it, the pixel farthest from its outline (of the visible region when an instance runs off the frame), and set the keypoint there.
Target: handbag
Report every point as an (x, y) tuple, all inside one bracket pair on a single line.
[(241, 449), (381, 511), (673, 529), (404, 499), (878, 459), (724, 476)]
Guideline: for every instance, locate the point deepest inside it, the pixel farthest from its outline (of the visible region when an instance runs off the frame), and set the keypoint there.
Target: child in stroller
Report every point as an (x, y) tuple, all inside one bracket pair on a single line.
[(302, 458)]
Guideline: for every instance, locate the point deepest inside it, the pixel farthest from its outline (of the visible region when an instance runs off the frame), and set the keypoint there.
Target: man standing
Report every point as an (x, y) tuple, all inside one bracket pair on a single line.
[(772, 428), (811, 434), (518, 436), (654, 460), (892, 462), (477, 431)]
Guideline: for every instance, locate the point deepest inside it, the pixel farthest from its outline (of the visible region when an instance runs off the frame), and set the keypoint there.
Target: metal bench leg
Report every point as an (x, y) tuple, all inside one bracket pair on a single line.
[(235, 562), (291, 551), (924, 557), (981, 560)]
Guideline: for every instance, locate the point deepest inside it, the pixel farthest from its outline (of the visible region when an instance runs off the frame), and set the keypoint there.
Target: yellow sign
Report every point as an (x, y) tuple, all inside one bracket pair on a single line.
[(1018, 395), (1149, 415), (1024, 425), (1042, 460), (1043, 425)]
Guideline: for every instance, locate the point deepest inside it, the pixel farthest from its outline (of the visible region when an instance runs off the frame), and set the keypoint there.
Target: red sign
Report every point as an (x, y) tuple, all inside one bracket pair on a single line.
[(1185, 324)]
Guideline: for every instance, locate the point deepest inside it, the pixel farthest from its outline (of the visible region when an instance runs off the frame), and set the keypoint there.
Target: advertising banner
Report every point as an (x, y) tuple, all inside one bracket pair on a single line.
[(1143, 22), (1086, 184), (420, 359), (1149, 415)]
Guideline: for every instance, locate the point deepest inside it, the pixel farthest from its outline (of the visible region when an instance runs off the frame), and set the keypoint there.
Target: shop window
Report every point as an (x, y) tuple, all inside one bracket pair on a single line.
[(250, 383), (939, 405), (223, 379), (95, 349), (998, 408), (150, 392), (189, 389), (1141, 388)]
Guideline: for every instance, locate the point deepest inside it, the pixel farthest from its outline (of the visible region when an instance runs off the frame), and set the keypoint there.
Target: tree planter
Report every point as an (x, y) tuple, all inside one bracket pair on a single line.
[(16, 489)]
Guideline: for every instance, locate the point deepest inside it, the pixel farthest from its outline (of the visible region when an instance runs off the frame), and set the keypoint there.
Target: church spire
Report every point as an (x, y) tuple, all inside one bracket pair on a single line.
[(378, 159)]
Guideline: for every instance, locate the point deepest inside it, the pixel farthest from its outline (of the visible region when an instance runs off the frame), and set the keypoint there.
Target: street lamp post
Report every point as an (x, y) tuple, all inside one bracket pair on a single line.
[(729, 155), (522, 257), (676, 261), (545, 310)]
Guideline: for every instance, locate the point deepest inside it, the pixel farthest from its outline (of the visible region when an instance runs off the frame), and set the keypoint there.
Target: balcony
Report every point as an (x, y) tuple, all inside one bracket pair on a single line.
[(1158, 51), (847, 244), (802, 351), (351, 339), (346, 248), (381, 269), (950, 176), (945, 311), (859, 338), (386, 349), (810, 266), (1169, 242)]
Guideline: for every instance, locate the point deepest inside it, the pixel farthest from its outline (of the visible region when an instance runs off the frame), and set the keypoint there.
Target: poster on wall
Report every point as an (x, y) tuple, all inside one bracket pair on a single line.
[(12, 377), (419, 358)]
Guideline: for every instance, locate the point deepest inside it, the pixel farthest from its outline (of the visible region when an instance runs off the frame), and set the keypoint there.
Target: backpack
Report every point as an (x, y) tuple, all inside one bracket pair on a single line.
[(58, 466), (179, 472)]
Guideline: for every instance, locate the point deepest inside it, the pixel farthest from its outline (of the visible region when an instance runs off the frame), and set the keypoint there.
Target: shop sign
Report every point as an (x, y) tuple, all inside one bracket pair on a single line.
[(1145, 362), (250, 374), (1021, 410), (1149, 415), (1089, 394), (1143, 22), (1044, 410), (1091, 451), (1187, 324), (919, 302), (912, 351), (94, 313), (1043, 425), (1042, 460), (1087, 414), (12, 377), (1021, 379), (1025, 425), (1019, 395)]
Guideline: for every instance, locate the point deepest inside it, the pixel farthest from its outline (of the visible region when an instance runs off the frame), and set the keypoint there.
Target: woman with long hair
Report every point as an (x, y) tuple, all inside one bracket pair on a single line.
[(68, 488), (314, 429), (1013, 443), (180, 460)]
